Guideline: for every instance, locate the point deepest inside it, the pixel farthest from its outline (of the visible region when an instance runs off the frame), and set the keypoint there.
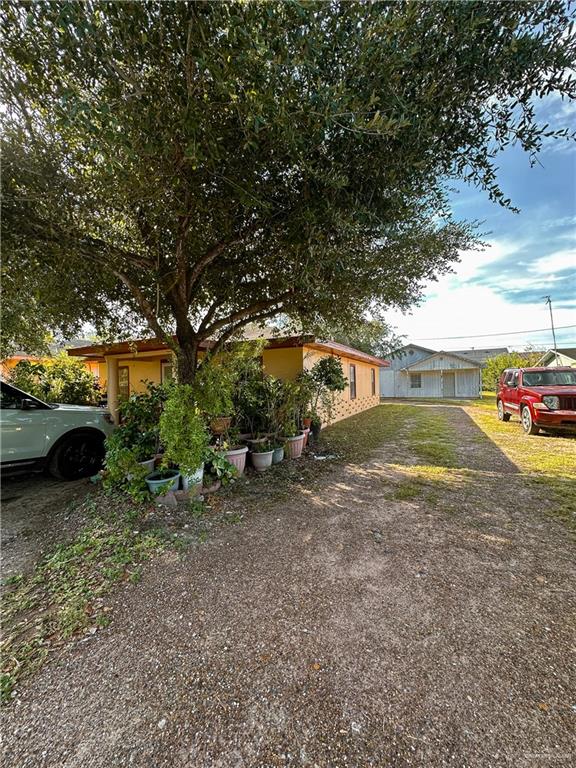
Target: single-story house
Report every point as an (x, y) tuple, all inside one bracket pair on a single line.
[(417, 371), (127, 365), (552, 358)]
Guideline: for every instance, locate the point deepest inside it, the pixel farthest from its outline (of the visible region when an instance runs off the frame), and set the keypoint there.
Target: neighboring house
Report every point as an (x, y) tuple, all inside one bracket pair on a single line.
[(127, 365), (566, 356), (417, 371), (480, 355)]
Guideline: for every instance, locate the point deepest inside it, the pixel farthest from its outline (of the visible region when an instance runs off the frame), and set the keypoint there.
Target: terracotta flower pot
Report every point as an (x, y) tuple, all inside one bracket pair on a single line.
[(294, 446), (307, 422), (237, 457)]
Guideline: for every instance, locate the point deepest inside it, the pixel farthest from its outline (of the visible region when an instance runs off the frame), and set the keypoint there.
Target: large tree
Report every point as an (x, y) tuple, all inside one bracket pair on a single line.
[(206, 165)]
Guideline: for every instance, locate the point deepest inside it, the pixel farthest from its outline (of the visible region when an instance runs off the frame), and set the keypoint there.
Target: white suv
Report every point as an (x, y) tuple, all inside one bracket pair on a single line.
[(68, 440)]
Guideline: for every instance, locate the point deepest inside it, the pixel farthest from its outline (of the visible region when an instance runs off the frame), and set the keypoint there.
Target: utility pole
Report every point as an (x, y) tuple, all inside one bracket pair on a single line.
[(549, 302)]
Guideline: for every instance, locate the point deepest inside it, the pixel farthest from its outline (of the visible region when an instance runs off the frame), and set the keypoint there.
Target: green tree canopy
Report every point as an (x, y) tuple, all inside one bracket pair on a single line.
[(199, 166), (495, 365)]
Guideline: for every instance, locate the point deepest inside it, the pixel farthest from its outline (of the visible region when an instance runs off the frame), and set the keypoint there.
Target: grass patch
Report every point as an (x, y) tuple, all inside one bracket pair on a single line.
[(549, 461), (431, 439), (356, 438), (62, 597), (406, 491)]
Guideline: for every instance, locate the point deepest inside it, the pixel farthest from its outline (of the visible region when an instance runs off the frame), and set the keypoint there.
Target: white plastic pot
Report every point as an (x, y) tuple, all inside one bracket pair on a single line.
[(192, 480)]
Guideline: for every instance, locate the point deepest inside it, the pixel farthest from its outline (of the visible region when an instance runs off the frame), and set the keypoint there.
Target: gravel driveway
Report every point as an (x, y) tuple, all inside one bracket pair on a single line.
[(37, 513), (344, 628)]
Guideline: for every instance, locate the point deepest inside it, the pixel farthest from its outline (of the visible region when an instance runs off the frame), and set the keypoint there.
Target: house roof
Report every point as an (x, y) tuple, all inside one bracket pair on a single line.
[(99, 351), (396, 352), (481, 354), (566, 351), (471, 363)]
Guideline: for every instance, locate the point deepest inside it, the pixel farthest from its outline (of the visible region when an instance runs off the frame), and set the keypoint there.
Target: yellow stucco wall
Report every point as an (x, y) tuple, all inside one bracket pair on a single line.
[(142, 367), (283, 363), (343, 405)]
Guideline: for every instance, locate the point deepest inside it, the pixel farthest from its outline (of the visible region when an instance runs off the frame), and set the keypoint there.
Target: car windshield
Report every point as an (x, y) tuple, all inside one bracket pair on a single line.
[(549, 379)]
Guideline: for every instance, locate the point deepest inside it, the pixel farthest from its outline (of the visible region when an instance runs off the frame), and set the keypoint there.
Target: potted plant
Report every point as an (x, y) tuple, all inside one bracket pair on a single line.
[(212, 390), (307, 420), (294, 442), (316, 426), (122, 470), (262, 454), (135, 441), (163, 480), (278, 454), (236, 455), (217, 469), (183, 434)]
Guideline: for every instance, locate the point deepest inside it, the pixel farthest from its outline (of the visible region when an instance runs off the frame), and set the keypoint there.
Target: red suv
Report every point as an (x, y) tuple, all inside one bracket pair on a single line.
[(544, 398)]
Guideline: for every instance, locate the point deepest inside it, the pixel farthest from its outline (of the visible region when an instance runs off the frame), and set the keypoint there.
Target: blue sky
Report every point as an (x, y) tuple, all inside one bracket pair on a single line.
[(529, 255)]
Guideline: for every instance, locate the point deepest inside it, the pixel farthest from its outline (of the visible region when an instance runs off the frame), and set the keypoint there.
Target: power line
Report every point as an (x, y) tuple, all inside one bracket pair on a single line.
[(485, 335)]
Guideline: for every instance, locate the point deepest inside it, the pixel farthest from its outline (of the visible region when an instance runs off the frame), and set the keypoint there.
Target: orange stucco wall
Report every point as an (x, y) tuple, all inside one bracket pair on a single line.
[(344, 406), (10, 362)]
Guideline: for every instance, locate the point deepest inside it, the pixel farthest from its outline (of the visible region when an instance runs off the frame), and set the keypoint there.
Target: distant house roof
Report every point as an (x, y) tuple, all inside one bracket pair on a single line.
[(472, 363), (551, 354), (481, 355), (396, 352), (99, 351)]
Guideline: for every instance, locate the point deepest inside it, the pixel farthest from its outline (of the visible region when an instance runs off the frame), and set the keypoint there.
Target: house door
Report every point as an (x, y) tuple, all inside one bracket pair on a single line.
[(448, 384)]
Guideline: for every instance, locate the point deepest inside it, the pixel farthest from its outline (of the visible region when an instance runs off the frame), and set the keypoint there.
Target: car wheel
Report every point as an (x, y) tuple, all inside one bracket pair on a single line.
[(502, 415), (527, 424), (78, 455)]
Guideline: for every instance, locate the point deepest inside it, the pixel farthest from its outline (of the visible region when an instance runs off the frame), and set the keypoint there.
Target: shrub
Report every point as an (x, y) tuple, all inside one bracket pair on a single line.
[(495, 365), (60, 379), (182, 429)]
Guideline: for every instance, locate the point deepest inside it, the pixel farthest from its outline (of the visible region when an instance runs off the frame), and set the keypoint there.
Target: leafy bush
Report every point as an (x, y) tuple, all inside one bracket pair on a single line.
[(182, 430), (218, 467), (135, 440), (61, 379), (140, 419), (213, 385), (495, 365), (323, 380)]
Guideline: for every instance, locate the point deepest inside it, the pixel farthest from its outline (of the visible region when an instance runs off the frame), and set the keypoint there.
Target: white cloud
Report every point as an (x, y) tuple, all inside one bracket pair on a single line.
[(554, 262), (456, 307)]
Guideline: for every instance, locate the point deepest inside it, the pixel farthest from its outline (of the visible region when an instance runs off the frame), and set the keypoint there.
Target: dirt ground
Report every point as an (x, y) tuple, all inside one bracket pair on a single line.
[(350, 626), (37, 513)]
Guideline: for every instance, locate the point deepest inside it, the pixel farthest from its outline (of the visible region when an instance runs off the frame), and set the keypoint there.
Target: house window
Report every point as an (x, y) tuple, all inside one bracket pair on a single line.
[(352, 382), (167, 371), (123, 382), (415, 381), (373, 380)]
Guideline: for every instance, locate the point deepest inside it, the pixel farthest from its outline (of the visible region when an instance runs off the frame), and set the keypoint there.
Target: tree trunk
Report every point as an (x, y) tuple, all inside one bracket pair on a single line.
[(187, 359)]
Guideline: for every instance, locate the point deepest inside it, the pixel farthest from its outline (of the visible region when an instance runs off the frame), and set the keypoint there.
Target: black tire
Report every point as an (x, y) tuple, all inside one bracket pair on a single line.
[(502, 415), (80, 454), (527, 424)]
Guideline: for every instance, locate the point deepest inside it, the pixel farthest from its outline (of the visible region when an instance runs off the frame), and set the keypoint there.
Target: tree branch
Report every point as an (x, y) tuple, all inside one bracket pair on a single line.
[(212, 254), (208, 317), (247, 312), (147, 309), (231, 331)]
